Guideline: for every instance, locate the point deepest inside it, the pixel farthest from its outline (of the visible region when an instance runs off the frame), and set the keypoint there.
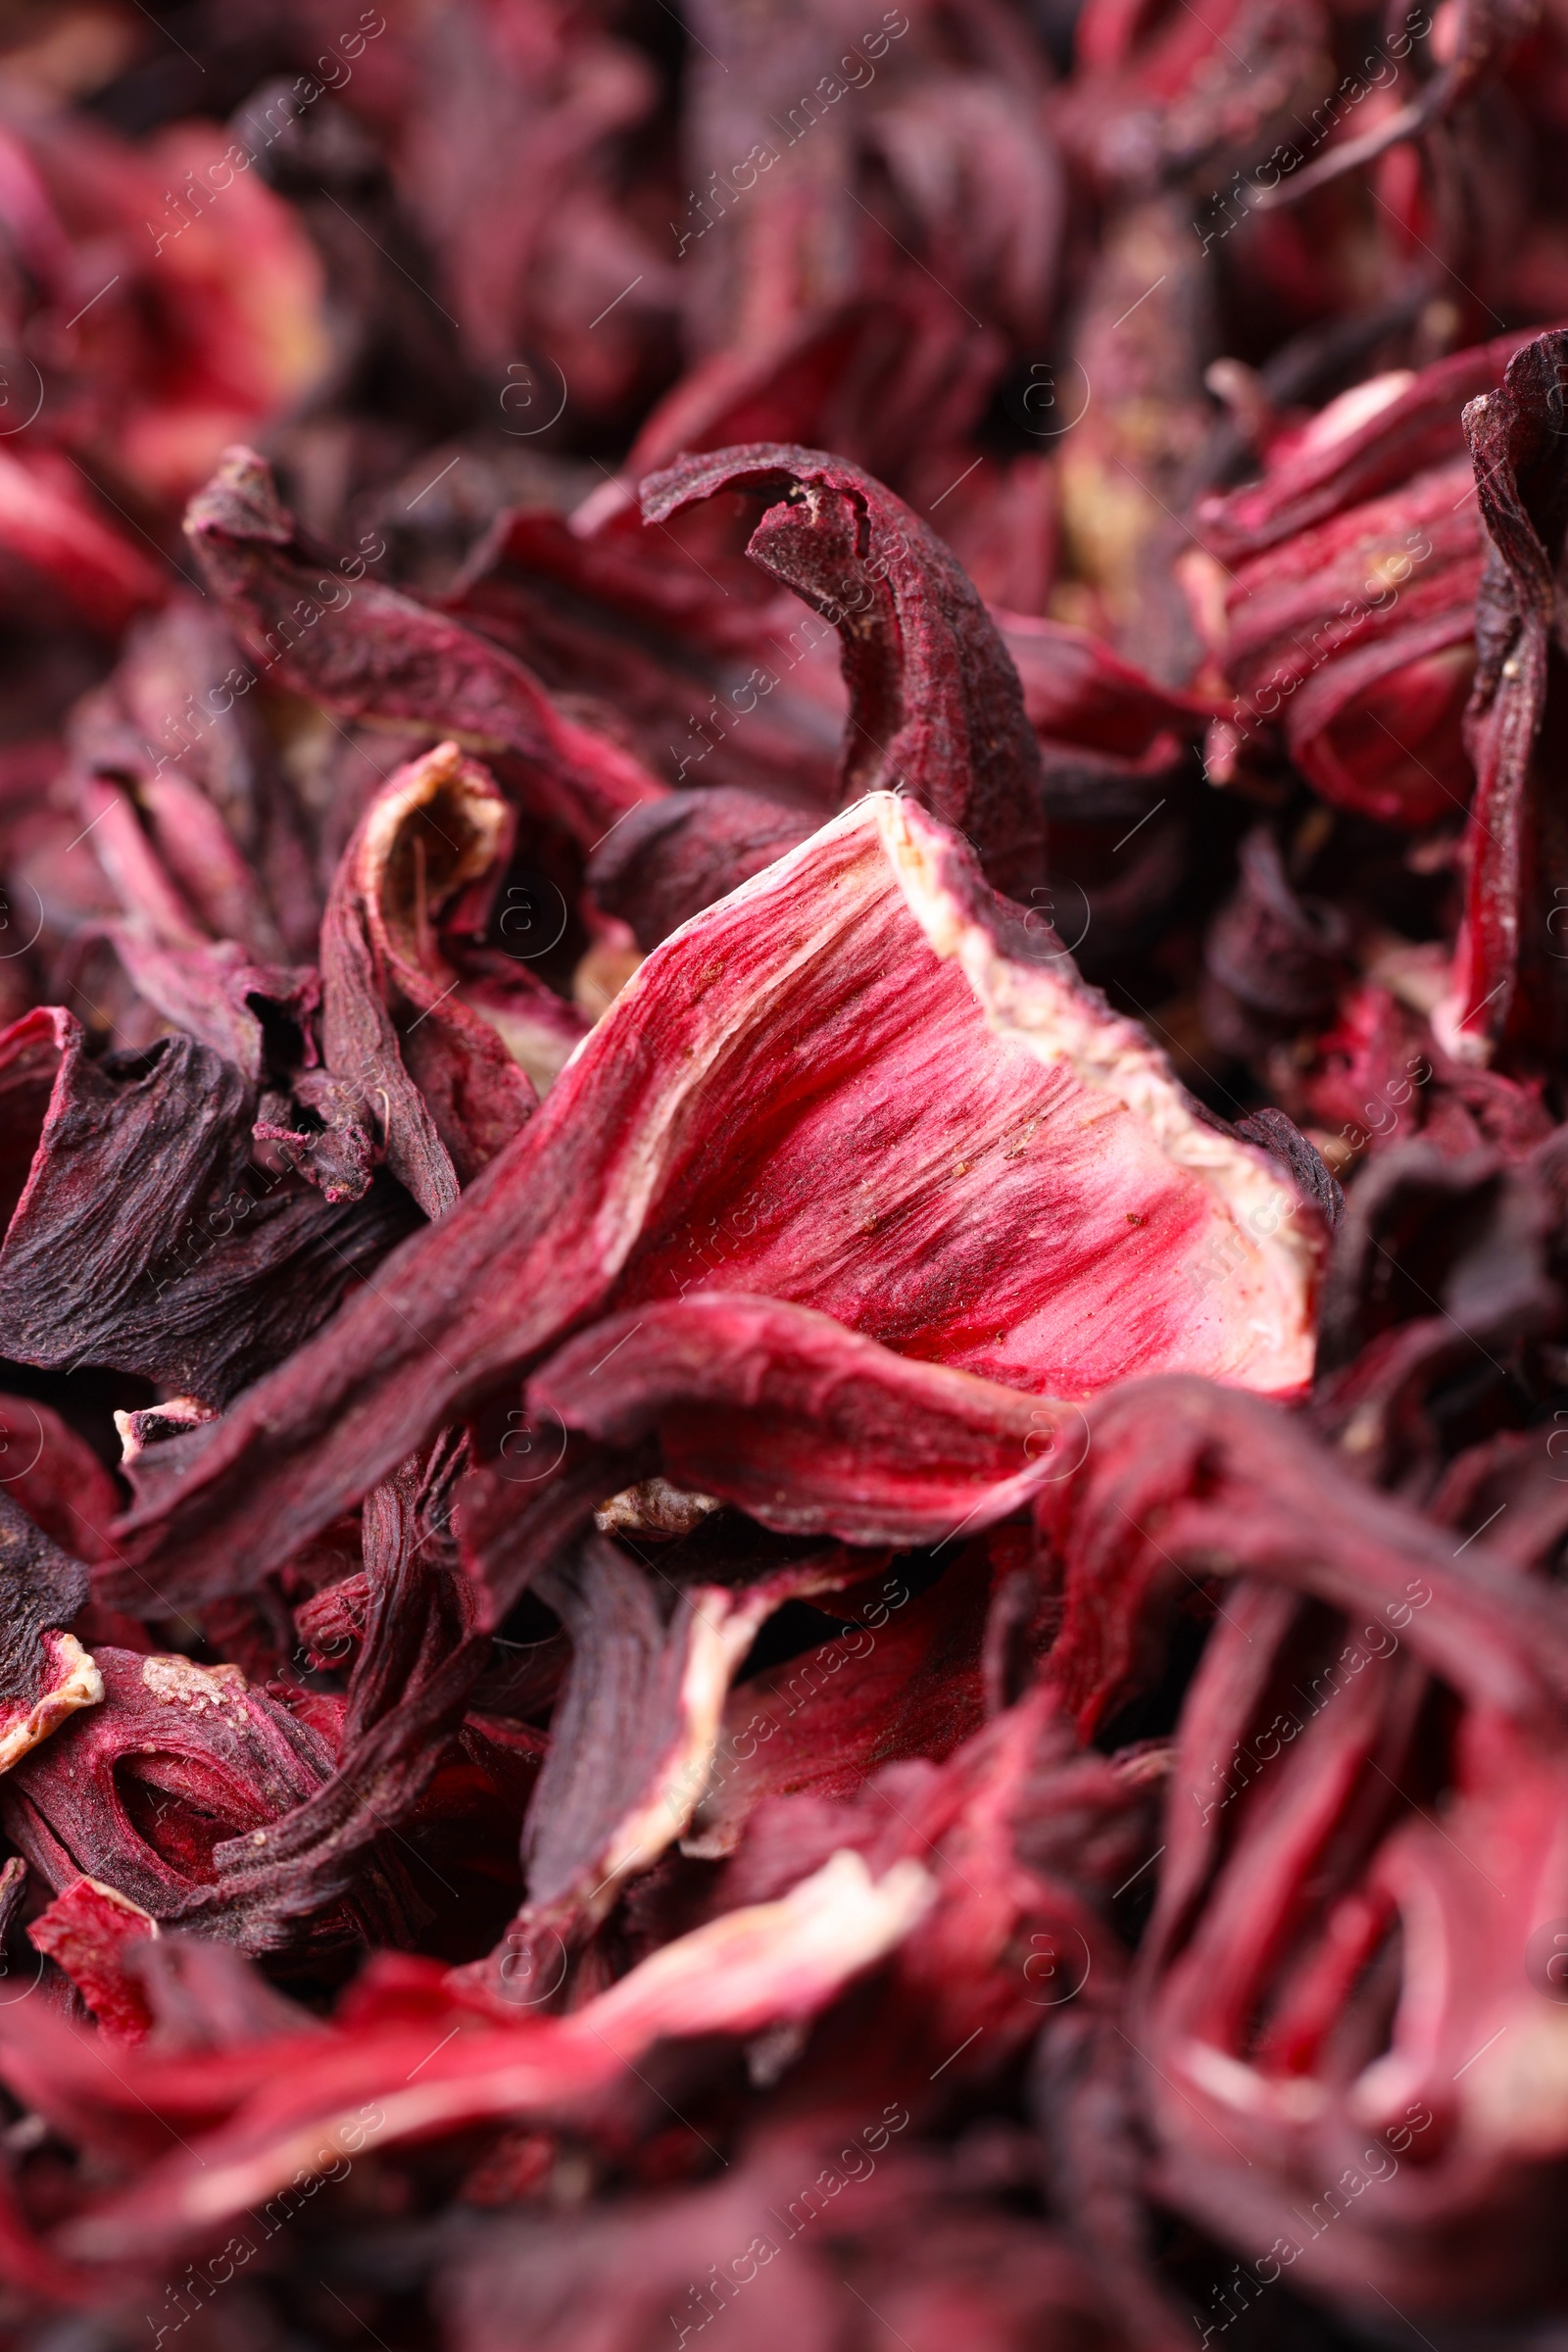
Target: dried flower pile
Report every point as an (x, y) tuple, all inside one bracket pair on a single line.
[(784, 1259)]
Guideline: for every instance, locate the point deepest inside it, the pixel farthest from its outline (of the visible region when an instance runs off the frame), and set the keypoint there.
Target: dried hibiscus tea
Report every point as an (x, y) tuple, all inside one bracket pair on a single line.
[(784, 1177)]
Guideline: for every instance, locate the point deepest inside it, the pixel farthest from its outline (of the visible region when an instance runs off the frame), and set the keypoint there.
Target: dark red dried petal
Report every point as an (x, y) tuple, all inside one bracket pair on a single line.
[(935, 704), (387, 658)]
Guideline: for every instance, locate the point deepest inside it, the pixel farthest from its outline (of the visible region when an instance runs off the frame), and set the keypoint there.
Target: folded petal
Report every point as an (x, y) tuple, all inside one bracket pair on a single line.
[(1347, 1977), (436, 1086), (810, 1428), (779, 1961), (631, 1743), (1508, 976), (383, 655), (862, 1084), (206, 1265), (935, 704), (150, 1781)]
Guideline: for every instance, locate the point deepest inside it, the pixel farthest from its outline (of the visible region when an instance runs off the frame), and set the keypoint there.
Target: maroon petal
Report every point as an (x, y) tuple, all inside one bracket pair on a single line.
[(810, 1428), (1354, 635), (1235, 1486), (199, 824), (935, 704), (1507, 984), (902, 1683), (212, 993), (384, 656), (421, 2070), (163, 1132), (632, 1741), (202, 1268), (56, 1478), (819, 2220), (657, 631), (668, 862), (221, 1755), (1334, 1977), (1360, 446), (436, 1087), (418, 1658), (50, 526)]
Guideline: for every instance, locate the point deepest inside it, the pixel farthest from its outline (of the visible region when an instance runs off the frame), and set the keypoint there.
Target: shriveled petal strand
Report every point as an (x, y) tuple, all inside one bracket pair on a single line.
[(417, 1660), (632, 1742), (1333, 1974), (810, 1428), (1184, 1480), (196, 1278), (935, 702), (862, 1084)]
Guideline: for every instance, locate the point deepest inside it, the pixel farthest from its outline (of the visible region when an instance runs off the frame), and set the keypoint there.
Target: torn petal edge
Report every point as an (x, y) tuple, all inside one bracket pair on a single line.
[(79, 1684)]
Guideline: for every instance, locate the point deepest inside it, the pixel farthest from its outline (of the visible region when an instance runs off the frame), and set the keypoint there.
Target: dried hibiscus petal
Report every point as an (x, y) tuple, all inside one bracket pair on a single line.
[(388, 658), (418, 1655), (986, 1227), (809, 1618), (421, 1078), (203, 1273), (808, 1428), (176, 1753), (204, 834), (1505, 978), (935, 704), (769, 1963), (86, 1931), (632, 1740), (45, 1674)]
